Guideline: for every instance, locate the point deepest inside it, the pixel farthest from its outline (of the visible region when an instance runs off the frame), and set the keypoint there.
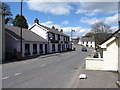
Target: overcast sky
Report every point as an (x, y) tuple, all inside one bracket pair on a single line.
[(69, 15)]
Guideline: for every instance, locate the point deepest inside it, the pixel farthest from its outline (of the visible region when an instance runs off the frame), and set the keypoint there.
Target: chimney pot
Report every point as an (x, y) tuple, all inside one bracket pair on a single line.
[(36, 21), (53, 27), (61, 30)]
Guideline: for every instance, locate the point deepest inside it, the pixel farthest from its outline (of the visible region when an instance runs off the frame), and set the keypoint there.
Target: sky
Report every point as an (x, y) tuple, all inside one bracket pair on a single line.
[(78, 16)]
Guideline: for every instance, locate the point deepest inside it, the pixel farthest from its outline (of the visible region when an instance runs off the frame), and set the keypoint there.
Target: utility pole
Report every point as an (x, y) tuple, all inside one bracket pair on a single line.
[(71, 37), (21, 27), (2, 34)]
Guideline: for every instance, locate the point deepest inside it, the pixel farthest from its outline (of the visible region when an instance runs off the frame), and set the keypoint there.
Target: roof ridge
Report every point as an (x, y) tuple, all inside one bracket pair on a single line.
[(110, 36), (27, 31), (52, 29)]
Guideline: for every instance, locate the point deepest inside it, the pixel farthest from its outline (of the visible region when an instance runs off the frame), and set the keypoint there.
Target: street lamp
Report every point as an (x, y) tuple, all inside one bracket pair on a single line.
[(72, 33), (71, 36)]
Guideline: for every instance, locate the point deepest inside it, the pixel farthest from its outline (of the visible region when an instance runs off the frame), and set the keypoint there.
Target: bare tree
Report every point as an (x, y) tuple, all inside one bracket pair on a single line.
[(101, 28), (89, 34)]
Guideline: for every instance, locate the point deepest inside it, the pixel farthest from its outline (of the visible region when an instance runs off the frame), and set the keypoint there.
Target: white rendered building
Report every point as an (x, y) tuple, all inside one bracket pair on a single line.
[(57, 40), (32, 44), (87, 42)]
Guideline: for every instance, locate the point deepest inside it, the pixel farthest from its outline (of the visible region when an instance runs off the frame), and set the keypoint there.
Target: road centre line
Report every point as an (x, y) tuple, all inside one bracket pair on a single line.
[(17, 74), (5, 77), (11, 76), (43, 65)]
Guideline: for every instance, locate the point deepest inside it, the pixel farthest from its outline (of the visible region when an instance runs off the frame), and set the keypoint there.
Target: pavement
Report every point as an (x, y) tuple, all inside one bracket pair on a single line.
[(96, 79)]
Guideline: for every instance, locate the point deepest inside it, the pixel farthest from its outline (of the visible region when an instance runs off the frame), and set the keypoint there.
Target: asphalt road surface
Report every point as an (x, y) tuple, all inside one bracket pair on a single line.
[(56, 71)]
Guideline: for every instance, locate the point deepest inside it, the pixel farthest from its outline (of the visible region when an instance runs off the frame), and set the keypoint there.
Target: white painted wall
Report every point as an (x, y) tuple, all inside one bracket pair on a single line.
[(80, 42), (110, 56), (31, 47), (43, 33), (94, 63), (12, 44), (40, 32), (119, 54), (85, 43), (109, 61)]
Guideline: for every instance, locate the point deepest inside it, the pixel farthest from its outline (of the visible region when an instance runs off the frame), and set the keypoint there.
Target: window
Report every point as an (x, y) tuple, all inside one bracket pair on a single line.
[(27, 49), (58, 37), (64, 38), (91, 42), (59, 47), (53, 47), (34, 48), (68, 39), (41, 48), (53, 35)]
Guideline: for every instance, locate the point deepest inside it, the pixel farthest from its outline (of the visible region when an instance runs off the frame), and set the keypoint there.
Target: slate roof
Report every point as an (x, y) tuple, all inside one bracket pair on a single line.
[(110, 36), (27, 35), (100, 37), (52, 30), (88, 39)]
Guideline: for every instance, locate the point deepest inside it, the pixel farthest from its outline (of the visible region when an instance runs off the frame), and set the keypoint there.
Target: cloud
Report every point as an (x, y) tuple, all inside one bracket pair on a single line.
[(79, 31), (65, 22), (88, 12), (57, 8), (93, 8), (107, 20), (50, 24), (90, 20), (114, 28), (111, 20)]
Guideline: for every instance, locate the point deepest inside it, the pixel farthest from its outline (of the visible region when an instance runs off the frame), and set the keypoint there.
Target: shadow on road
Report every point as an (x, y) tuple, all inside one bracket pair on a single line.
[(33, 57)]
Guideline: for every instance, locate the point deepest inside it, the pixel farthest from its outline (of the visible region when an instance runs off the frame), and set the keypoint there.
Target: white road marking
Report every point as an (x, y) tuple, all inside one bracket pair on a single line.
[(11, 76), (5, 77), (43, 65), (17, 74)]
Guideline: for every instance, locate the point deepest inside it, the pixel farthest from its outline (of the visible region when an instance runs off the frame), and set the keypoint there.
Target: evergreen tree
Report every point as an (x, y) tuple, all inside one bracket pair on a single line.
[(18, 21)]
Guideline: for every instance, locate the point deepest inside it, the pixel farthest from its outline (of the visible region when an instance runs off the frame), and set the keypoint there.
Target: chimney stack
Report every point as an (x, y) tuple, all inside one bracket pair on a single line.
[(61, 30), (36, 21), (53, 27)]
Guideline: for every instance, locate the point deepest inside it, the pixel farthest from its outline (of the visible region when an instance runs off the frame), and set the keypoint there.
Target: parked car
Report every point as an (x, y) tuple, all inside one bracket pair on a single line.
[(84, 49)]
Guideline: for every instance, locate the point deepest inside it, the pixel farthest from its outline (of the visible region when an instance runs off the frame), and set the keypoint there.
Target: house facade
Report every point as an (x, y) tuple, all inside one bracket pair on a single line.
[(57, 40), (110, 57), (32, 44), (87, 42)]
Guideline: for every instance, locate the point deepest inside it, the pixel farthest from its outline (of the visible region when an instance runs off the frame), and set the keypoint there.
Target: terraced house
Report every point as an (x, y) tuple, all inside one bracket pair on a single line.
[(32, 44), (57, 40)]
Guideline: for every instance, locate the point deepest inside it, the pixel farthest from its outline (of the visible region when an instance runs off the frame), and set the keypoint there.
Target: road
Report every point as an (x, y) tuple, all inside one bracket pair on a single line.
[(56, 71)]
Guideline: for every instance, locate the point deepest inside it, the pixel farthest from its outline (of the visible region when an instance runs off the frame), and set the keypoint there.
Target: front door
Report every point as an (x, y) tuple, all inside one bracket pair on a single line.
[(45, 48)]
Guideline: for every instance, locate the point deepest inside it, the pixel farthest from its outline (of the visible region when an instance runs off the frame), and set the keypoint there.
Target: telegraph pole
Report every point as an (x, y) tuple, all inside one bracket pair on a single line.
[(2, 35), (21, 27)]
